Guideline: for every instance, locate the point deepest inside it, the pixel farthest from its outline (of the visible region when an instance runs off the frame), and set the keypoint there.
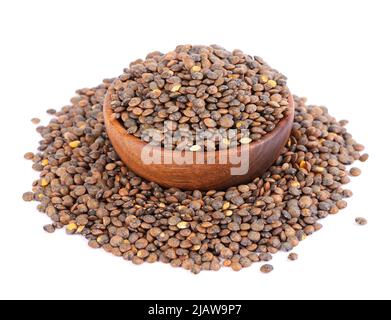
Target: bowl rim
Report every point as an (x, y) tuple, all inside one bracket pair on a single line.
[(108, 112)]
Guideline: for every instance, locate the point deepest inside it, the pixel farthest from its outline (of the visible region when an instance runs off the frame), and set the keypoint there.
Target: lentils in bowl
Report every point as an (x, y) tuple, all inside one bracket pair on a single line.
[(200, 98)]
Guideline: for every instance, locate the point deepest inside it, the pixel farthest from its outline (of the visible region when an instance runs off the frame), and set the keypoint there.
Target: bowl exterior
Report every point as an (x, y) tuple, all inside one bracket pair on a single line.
[(189, 175)]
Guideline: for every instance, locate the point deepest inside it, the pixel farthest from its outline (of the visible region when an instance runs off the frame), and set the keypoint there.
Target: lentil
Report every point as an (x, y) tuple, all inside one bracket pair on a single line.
[(267, 268), (361, 221)]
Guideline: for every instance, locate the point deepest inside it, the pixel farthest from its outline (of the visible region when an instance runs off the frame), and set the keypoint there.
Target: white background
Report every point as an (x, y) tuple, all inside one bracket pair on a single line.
[(336, 53)]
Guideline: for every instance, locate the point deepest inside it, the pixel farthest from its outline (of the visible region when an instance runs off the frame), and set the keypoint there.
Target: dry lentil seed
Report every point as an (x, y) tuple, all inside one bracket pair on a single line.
[(245, 140), (266, 268), (93, 244), (236, 266), (183, 225), (111, 166), (74, 144), (293, 256), (141, 243), (29, 155), (305, 202), (226, 253), (175, 87), (116, 241), (35, 120), (103, 239), (364, 157), (210, 123), (196, 69), (44, 182), (49, 228), (265, 256), (80, 190), (355, 172), (226, 121), (71, 228), (271, 83), (361, 221), (28, 196)]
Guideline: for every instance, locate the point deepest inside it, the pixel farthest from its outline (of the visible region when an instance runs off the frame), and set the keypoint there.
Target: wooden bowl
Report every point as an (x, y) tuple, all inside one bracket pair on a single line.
[(204, 176)]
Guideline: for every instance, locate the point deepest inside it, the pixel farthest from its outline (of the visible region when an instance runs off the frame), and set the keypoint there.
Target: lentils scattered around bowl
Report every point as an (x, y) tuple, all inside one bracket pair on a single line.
[(267, 268), (361, 221), (355, 172), (35, 121), (200, 92), (293, 256), (85, 188)]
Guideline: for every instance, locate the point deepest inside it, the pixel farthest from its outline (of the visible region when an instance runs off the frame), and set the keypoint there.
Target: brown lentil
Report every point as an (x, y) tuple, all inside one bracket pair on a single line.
[(29, 155), (49, 228), (267, 268), (361, 221), (35, 121), (293, 256), (364, 157), (355, 172), (28, 196)]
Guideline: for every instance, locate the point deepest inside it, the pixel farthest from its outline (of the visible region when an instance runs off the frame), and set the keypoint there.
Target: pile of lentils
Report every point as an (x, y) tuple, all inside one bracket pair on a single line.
[(85, 187), (200, 92)]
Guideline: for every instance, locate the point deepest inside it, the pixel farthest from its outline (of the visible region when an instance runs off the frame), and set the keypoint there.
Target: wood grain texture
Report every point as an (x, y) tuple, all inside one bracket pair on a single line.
[(217, 176)]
